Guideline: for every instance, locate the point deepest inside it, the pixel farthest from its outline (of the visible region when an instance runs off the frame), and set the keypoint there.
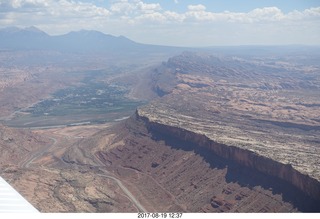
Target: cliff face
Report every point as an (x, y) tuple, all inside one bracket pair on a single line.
[(241, 156), (225, 135)]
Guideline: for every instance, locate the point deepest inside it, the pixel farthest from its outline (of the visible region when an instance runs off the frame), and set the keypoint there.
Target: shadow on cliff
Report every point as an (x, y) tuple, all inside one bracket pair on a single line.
[(244, 176)]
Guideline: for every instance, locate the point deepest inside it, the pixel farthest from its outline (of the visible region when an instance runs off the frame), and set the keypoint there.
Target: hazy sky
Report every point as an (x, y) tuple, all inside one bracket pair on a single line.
[(175, 22)]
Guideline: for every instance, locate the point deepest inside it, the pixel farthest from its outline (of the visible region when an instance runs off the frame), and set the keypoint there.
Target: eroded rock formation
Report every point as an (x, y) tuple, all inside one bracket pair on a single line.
[(241, 156), (246, 118), (170, 173)]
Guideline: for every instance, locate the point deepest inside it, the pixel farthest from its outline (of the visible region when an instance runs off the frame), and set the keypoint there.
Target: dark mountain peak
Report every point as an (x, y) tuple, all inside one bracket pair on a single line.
[(32, 38), (94, 40), (87, 34), (22, 32), (34, 29), (97, 35), (125, 38)]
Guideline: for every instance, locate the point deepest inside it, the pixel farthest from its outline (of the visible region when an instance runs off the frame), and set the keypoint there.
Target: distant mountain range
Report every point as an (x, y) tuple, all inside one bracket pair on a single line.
[(91, 41), (32, 38)]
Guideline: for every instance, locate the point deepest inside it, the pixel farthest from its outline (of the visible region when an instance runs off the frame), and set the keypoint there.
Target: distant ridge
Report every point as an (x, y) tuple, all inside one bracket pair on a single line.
[(16, 30), (90, 40), (32, 38), (14, 38)]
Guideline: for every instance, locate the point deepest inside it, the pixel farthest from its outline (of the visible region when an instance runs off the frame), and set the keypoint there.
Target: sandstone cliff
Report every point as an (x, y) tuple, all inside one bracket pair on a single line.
[(245, 157)]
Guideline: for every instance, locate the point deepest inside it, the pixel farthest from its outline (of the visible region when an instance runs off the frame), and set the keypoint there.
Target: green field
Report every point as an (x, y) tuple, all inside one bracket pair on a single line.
[(92, 102)]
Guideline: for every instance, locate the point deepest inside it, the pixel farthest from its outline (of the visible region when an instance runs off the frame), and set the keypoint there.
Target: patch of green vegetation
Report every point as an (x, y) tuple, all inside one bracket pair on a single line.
[(89, 101), (94, 97)]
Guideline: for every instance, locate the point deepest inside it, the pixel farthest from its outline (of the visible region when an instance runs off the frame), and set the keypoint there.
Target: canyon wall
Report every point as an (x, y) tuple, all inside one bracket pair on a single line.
[(244, 157)]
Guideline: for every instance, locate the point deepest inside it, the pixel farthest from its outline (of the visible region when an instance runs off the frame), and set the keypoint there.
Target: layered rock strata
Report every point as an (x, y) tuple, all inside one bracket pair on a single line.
[(167, 173), (240, 155)]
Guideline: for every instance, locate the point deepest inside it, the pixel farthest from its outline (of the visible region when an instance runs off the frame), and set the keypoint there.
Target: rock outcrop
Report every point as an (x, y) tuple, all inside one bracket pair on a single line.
[(258, 115), (244, 157), (169, 173)]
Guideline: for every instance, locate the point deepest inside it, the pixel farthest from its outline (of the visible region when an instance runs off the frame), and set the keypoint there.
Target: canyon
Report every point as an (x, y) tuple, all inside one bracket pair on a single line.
[(161, 130), (224, 125)]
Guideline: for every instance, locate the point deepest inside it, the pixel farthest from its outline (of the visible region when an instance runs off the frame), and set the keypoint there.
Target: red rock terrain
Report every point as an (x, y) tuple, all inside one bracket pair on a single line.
[(17, 145), (227, 134), (31, 162), (169, 174)]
